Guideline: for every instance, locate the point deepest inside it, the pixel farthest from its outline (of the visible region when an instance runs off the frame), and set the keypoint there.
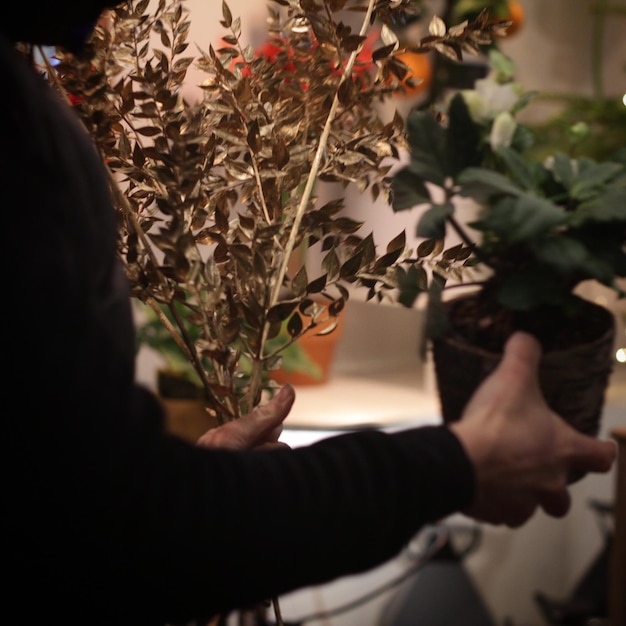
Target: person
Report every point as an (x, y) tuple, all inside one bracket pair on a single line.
[(111, 520)]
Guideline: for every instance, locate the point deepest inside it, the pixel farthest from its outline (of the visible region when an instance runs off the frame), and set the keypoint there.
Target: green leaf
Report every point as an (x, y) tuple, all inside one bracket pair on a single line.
[(408, 190), (524, 100), (563, 169), (521, 219), (367, 250), (502, 64), (453, 253), (476, 182), (226, 13), (386, 260), (523, 138), (462, 139), (427, 144), (592, 176), (525, 291), (563, 254), (521, 172), (432, 224), (412, 283), (295, 358), (608, 207)]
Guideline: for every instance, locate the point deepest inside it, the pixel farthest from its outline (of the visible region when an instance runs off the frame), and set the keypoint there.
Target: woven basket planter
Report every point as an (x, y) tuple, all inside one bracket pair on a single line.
[(573, 380)]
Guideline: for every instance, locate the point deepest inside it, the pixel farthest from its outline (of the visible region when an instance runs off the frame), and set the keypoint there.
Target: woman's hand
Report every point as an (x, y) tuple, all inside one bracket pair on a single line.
[(522, 451), (259, 429)]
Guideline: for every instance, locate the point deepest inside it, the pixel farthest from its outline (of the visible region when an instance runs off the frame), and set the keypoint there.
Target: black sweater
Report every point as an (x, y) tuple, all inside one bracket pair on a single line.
[(109, 520)]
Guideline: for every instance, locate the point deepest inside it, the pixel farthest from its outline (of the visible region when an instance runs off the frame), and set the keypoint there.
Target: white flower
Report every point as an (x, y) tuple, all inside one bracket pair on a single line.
[(489, 98), (502, 131), (548, 163)]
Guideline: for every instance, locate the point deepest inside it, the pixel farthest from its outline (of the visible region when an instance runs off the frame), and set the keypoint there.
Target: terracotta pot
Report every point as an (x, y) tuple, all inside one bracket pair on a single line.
[(321, 351), (573, 380)]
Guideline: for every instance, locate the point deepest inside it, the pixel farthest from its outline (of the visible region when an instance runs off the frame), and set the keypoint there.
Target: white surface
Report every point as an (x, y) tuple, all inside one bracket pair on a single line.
[(346, 403)]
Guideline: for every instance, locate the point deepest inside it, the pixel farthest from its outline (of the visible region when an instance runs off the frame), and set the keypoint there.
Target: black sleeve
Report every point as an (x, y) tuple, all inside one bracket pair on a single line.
[(236, 527), (108, 520)]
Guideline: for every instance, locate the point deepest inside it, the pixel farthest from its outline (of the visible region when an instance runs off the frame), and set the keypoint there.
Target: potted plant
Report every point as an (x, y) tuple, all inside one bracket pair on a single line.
[(215, 195), (527, 234)]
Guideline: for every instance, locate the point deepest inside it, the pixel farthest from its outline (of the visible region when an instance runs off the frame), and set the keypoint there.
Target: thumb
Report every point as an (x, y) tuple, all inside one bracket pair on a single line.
[(515, 379), (584, 453), (522, 354), (265, 421), (263, 425)]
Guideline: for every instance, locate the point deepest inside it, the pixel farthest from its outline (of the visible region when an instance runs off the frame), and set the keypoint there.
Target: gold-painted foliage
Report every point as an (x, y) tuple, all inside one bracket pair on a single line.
[(214, 195)]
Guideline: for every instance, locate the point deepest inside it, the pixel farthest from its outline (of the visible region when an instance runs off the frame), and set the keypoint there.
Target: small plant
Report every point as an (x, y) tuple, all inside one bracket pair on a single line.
[(542, 228)]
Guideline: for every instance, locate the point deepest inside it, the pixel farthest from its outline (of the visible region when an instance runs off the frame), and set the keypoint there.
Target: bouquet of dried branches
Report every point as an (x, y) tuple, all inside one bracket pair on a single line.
[(214, 195)]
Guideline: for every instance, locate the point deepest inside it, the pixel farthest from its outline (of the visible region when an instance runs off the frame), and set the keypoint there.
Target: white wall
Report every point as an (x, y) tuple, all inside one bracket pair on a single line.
[(206, 28), (553, 50)]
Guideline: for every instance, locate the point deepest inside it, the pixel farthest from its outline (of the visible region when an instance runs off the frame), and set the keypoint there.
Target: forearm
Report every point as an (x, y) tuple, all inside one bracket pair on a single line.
[(338, 507)]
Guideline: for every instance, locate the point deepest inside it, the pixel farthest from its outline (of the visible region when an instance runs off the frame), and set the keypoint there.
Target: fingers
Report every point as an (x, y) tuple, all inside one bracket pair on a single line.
[(518, 515), (591, 455), (513, 383), (556, 504), (261, 427), (505, 510), (523, 453), (273, 445)]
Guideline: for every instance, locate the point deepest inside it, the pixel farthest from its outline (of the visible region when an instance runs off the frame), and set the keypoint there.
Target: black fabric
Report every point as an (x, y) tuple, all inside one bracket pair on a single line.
[(108, 520), (64, 23)]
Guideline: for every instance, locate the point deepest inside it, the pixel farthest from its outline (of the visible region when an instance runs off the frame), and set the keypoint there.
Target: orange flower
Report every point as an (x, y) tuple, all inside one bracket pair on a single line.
[(516, 15), (420, 68)]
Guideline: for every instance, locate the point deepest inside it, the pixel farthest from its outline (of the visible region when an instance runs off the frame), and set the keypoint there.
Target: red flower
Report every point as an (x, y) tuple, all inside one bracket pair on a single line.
[(270, 51), (74, 100), (285, 55)]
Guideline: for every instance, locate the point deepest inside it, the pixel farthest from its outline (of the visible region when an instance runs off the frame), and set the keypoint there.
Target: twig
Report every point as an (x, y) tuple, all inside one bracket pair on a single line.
[(256, 375), (186, 344)]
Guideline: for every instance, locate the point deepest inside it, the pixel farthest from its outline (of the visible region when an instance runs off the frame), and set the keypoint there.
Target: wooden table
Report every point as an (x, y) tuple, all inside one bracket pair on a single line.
[(617, 589)]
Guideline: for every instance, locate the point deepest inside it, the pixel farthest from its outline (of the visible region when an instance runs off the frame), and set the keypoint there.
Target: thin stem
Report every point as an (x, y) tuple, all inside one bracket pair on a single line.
[(458, 229), (257, 368), (182, 339), (277, 612), (254, 161), (317, 160)]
